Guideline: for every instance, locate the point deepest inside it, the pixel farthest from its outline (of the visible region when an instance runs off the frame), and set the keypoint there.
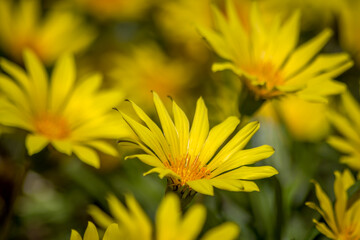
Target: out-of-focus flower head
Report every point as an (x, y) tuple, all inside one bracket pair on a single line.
[(117, 9), (342, 220), (22, 26), (195, 160), (348, 125), (147, 68), (72, 117), (188, 14), (349, 28), (91, 233), (267, 61), (134, 224), (306, 121), (316, 14)]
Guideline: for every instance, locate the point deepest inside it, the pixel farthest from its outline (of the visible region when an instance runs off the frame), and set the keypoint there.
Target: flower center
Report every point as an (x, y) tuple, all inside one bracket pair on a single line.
[(268, 77), (52, 126), (347, 233), (188, 170)]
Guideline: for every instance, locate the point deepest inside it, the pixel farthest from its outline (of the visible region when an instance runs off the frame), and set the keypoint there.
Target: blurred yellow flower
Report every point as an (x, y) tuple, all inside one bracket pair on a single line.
[(306, 121), (267, 61), (73, 118), (349, 28), (22, 27), (170, 224), (91, 233), (117, 9), (196, 160), (348, 125), (342, 220), (147, 68), (188, 14)]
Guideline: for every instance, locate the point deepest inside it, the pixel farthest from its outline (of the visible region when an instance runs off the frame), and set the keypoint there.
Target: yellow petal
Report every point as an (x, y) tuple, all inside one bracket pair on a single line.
[(216, 138), (340, 144), (326, 207), (104, 147), (237, 143), (202, 186), (341, 200), (100, 218), (324, 229), (112, 232), (352, 161), (352, 108), (157, 133), (163, 172), (62, 146), (191, 225), (305, 53), (226, 231), (250, 173), (167, 126), (168, 217), (75, 235), (199, 128), (91, 232), (344, 126), (62, 82), (120, 213), (87, 155), (216, 42), (140, 219), (18, 74), (35, 143), (15, 94), (147, 137), (323, 63), (39, 78), (182, 127), (234, 185), (148, 159), (244, 157), (288, 36)]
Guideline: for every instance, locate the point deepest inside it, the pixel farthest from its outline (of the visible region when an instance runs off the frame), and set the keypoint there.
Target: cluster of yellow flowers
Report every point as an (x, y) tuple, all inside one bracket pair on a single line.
[(74, 112)]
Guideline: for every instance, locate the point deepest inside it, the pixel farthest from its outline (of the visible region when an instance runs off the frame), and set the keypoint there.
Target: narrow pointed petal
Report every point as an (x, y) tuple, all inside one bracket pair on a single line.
[(167, 126), (199, 129), (216, 138), (35, 143), (87, 155)]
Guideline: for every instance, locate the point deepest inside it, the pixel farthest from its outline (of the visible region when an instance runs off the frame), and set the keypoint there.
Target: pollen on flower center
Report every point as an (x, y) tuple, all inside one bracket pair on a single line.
[(188, 169), (52, 126), (268, 77), (347, 234)]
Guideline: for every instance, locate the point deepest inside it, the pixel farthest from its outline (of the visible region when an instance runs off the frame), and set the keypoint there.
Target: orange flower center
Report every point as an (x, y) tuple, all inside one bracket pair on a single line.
[(188, 170), (268, 77), (52, 126), (347, 233)]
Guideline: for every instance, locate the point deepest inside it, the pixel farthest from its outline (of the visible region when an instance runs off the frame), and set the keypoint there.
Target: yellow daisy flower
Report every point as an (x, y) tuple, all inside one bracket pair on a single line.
[(348, 125), (91, 233), (149, 68), (190, 161), (21, 27), (267, 61), (295, 113), (170, 224), (73, 118), (187, 14), (349, 33), (342, 220)]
